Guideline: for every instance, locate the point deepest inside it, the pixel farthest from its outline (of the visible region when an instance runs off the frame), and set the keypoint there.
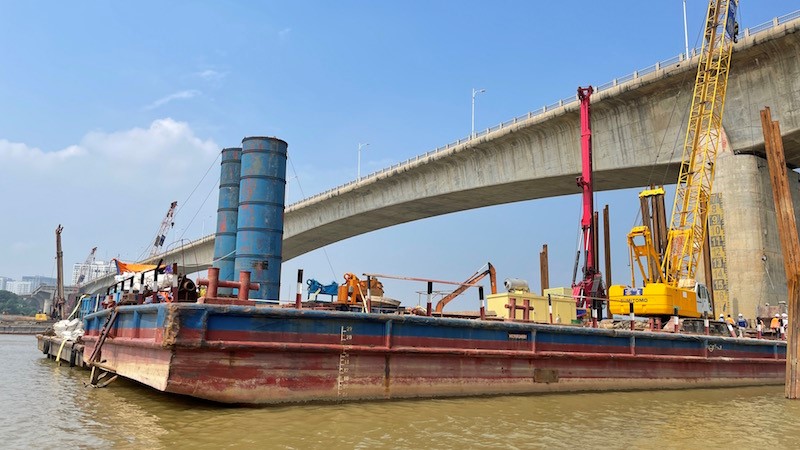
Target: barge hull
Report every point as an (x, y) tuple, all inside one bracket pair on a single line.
[(255, 355)]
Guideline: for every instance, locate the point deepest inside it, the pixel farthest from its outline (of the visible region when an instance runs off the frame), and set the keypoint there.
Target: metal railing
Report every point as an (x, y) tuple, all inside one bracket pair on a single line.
[(559, 104)]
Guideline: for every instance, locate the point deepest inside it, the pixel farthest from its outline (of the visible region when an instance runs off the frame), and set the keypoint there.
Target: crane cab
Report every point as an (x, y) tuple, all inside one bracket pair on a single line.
[(659, 299), (703, 299)]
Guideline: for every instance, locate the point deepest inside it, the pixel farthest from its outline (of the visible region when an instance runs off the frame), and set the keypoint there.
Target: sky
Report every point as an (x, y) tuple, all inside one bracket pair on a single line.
[(115, 109)]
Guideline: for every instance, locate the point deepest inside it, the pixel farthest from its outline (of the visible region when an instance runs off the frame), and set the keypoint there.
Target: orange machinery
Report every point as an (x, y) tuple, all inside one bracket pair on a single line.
[(353, 290), (475, 278)]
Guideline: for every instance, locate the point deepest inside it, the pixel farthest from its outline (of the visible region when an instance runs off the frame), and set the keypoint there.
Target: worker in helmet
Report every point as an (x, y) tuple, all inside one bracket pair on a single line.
[(729, 319), (775, 325), (722, 317), (741, 323), (784, 324)]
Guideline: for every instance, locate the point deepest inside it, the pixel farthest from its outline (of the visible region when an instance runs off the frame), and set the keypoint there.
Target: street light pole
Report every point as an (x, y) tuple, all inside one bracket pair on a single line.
[(474, 93), (685, 30), (359, 159)]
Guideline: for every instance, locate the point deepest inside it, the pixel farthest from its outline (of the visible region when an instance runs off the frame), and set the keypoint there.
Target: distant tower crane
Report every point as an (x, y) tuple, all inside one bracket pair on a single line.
[(86, 270), (166, 224)]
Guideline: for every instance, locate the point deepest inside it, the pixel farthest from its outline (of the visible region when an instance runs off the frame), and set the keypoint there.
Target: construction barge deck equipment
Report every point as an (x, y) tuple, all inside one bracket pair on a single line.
[(226, 347)]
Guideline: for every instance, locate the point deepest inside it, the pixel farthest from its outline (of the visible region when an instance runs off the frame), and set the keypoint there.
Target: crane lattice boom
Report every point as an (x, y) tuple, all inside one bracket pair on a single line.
[(166, 224), (86, 269), (703, 138)]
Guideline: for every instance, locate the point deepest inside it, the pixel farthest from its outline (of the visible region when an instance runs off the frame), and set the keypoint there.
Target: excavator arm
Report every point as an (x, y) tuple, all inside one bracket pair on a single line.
[(470, 281)]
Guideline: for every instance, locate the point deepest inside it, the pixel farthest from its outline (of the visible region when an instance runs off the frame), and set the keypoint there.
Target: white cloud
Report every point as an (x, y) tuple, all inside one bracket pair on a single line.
[(14, 152), (211, 75), (180, 95), (111, 190)]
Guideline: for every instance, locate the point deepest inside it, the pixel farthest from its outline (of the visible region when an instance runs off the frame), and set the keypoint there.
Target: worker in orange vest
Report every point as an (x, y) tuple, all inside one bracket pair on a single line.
[(775, 325), (729, 319)]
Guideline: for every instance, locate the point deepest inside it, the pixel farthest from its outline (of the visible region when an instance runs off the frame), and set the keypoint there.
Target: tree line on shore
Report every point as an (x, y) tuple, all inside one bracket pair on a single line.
[(11, 303)]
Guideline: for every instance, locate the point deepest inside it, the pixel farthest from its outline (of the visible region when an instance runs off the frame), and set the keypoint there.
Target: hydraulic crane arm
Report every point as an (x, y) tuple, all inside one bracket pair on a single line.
[(590, 287), (470, 281)]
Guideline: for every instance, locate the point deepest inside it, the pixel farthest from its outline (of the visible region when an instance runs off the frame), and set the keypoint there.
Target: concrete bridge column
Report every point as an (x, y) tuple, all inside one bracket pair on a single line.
[(746, 259)]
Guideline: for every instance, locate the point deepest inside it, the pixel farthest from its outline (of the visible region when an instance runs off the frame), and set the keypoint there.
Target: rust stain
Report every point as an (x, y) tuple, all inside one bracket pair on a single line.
[(387, 378), (260, 265), (545, 376), (171, 327)]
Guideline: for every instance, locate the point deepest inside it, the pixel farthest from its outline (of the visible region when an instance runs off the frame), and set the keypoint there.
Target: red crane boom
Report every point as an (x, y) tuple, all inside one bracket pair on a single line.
[(590, 287)]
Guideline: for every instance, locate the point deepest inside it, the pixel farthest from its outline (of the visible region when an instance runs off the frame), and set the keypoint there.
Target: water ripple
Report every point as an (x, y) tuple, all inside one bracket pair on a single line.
[(44, 405)]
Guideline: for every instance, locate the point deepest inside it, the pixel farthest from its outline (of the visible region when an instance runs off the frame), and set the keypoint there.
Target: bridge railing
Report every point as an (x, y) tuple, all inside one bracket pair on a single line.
[(775, 22)]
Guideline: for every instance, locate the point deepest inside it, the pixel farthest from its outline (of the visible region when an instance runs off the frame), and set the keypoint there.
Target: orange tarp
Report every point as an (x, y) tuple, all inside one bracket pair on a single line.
[(131, 267)]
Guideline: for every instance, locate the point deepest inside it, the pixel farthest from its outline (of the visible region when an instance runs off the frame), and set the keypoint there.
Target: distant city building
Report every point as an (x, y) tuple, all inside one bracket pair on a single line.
[(3, 281), (39, 280), (19, 287), (91, 271)]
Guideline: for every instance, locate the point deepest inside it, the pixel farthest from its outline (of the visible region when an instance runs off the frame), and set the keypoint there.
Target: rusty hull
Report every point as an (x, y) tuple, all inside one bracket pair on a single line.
[(261, 355)]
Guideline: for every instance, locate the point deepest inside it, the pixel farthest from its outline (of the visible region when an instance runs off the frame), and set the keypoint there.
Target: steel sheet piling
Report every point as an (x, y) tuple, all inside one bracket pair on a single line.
[(262, 191), (227, 214)]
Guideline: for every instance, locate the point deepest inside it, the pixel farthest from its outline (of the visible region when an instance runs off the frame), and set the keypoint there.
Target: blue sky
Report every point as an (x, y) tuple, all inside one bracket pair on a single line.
[(115, 109)]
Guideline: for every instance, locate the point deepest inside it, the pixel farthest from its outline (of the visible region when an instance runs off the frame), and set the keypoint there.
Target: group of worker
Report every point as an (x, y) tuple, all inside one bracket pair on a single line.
[(740, 322), (777, 325)]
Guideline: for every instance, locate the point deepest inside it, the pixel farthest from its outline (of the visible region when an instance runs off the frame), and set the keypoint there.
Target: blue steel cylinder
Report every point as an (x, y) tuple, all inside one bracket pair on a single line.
[(259, 239), (227, 213)]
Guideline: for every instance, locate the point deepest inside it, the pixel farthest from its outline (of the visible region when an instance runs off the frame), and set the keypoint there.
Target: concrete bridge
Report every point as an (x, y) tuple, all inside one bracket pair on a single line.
[(638, 127)]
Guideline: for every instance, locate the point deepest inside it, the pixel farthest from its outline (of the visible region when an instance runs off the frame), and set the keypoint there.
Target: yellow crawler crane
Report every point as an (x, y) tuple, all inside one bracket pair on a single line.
[(668, 281)]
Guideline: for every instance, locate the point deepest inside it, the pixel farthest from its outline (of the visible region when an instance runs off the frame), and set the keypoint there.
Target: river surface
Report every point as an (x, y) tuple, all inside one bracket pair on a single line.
[(43, 405)]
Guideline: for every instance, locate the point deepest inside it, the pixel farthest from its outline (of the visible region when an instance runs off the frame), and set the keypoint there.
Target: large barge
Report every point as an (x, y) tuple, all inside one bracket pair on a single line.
[(262, 355)]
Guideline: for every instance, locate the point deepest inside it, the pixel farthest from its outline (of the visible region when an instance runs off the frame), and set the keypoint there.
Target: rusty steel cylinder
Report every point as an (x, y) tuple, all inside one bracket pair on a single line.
[(227, 215), (259, 236)]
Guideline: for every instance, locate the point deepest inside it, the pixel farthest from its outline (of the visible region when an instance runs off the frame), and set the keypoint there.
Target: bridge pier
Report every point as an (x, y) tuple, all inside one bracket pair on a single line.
[(746, 258)]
